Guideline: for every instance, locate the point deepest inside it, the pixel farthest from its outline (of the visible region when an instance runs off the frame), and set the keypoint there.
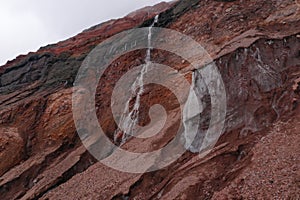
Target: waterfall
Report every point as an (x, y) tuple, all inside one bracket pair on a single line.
[(193, 135), (130, 120)]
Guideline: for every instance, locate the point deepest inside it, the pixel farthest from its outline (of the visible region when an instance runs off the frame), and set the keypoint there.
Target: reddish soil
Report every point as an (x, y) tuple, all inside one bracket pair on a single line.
[(255, 45)]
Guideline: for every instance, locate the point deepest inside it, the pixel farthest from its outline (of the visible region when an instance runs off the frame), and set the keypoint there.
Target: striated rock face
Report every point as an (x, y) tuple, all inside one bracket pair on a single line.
[(256, 48), (12, 147)]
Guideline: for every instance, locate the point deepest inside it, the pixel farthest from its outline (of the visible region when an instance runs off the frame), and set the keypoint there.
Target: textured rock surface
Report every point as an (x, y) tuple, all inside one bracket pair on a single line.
[(255, 45), (12, 148), (274, 164)]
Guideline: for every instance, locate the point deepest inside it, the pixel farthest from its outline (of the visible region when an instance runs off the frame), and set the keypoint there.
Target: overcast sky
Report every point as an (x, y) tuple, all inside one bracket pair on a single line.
[(27, 25)]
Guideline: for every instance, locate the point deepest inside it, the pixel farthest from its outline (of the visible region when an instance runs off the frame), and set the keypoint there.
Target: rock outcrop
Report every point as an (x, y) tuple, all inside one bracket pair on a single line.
[(256, 47), (12, 147)]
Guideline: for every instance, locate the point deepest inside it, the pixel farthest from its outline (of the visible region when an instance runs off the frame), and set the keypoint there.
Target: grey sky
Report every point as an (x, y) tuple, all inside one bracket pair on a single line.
[(28, 25)]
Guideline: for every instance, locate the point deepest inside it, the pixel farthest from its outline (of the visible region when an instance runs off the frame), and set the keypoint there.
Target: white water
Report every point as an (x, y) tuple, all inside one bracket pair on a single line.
[(187, 114), (192, 110), (129, 121)]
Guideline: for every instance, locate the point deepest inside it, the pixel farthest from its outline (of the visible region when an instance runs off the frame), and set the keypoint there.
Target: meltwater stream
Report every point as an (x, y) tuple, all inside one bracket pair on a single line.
[(130, 119)]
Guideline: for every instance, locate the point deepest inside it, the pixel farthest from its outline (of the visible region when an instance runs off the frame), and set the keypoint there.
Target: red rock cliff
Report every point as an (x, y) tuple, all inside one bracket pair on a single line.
[(256, 47)]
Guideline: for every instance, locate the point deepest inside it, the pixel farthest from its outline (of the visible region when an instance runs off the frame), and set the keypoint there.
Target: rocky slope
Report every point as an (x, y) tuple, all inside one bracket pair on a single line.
[(256, 47)]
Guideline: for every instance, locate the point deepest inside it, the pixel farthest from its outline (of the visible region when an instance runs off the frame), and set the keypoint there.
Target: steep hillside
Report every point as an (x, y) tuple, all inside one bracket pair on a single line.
[(256, 48)]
